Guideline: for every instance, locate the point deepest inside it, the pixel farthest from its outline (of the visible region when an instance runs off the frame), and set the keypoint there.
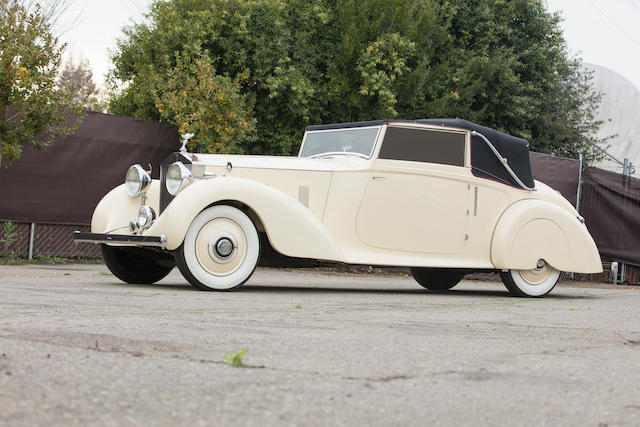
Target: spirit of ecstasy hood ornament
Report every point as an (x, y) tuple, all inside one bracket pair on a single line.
[(185, 139)]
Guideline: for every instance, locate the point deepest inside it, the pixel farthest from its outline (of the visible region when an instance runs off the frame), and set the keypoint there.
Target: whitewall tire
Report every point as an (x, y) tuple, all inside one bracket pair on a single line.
[(536, 282), (220, 250)]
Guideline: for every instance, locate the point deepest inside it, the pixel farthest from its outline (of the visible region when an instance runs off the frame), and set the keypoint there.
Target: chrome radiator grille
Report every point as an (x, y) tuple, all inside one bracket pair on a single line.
[(165, 197)]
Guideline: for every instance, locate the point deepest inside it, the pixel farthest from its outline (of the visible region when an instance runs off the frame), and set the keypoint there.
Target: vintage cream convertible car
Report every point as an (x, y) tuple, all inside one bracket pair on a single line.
[(444, 197)]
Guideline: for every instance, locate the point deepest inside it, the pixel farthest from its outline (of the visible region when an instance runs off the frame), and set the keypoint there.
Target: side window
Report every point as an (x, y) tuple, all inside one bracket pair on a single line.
[(423, 145)]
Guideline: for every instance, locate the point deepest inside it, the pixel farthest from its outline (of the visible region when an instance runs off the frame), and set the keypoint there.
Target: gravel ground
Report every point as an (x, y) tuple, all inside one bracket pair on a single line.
[(79, 347)]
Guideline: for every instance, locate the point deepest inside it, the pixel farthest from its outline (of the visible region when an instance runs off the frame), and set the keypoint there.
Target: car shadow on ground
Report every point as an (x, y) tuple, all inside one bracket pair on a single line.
[(283, 289), (390, 291), (361, 290)]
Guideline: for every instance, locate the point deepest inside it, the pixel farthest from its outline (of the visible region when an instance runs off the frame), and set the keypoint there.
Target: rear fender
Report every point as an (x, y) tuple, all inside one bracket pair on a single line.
[(530, 230)]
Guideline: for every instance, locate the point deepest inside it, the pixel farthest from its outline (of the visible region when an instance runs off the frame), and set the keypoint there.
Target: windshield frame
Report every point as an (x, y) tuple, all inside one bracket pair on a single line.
[(345, 153)]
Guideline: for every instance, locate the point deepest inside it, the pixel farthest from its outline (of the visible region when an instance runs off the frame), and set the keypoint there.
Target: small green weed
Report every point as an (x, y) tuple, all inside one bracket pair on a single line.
[(235, 359), (298, 306), (10, 236), (49, 259), (11, 259)]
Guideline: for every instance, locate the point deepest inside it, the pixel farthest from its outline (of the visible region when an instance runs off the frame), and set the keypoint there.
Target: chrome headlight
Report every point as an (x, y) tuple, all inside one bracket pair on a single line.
[(178, 176), (137, 180)]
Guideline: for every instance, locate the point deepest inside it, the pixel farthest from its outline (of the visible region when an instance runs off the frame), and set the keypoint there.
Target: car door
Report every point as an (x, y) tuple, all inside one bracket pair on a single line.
[(417, 198)]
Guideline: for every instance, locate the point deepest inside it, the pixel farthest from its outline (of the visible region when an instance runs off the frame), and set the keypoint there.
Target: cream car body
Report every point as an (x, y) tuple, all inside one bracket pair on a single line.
[(360, 208)]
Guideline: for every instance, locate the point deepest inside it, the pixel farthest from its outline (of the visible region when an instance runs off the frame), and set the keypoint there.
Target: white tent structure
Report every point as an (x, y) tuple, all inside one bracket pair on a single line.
[(620, 112)]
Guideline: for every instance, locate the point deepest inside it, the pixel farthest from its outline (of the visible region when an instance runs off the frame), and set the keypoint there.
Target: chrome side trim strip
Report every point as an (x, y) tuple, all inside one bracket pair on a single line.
[(475, 201)]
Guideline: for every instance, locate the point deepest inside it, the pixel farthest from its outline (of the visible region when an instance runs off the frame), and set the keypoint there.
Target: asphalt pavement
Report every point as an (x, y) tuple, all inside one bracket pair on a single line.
[(78, 347)]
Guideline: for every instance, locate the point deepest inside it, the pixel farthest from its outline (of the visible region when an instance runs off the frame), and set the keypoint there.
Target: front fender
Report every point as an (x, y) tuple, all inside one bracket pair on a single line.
[(530, 230), (117, 208), (291, 228)]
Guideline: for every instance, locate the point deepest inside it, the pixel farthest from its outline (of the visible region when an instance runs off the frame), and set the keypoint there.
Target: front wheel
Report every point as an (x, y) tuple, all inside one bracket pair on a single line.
[(220, 250), (437, 279), (137, 265), (536, 282)]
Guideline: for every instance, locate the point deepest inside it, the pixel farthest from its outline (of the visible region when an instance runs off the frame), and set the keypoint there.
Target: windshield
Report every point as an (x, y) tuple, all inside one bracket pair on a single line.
[(356, 141)]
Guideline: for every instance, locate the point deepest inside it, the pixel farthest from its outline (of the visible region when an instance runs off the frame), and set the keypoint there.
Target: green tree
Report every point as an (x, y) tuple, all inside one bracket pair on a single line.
[(266, 47), (206, 104), (33, 110), (293, 63), (513, 72), (388, 60)]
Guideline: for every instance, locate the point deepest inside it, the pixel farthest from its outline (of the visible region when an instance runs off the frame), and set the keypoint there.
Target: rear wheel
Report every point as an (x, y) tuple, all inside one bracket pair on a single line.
[(220, 250), (536, 282), (437, 279), (137, 265)]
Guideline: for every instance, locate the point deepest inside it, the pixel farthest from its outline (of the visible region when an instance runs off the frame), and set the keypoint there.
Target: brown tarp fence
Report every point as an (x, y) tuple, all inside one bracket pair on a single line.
[(65, 182), (609, 203), (558, 173)]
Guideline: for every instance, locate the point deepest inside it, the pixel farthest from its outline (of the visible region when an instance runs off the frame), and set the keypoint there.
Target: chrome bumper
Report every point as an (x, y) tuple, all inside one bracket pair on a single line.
[(122, 239)]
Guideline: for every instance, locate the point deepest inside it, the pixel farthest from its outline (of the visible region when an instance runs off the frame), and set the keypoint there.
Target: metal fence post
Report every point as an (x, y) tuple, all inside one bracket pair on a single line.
[(579, 193), (625, 167), (626, 171), (31, 233)]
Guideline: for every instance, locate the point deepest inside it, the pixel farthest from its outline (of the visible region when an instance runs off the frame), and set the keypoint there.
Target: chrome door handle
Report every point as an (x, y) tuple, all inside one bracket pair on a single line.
[(378, 177)]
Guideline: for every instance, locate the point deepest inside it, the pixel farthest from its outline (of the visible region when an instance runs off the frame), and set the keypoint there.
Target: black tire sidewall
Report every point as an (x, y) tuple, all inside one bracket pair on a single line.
[(142, 269), (437, 279)]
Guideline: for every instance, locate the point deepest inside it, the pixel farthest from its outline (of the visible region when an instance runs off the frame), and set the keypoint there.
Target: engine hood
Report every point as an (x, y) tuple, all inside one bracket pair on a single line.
[(329, 164)]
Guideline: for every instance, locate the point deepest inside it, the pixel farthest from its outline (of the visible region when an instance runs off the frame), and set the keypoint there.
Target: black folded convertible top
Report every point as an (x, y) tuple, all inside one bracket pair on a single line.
[(484, 163)]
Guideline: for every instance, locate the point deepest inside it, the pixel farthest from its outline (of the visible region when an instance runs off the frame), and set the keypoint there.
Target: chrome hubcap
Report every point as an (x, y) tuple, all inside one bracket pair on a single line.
[(537, 275), (224, 247), (221, 246)]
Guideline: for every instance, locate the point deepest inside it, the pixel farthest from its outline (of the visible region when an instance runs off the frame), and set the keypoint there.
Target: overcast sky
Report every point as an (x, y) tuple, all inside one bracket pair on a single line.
[(603, 32), (100, 23)]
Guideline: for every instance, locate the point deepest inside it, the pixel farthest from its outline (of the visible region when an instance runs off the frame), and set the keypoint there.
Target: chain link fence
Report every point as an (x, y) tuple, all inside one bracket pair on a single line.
[(48, 240)]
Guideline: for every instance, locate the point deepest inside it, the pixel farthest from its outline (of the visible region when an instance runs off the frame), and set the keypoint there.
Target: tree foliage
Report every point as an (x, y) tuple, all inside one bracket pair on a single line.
[(78, 79), (33, 110), (291, 63), (206, 104)]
